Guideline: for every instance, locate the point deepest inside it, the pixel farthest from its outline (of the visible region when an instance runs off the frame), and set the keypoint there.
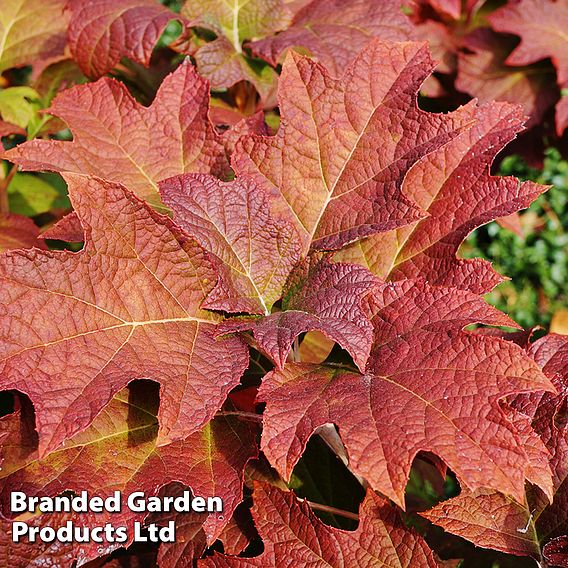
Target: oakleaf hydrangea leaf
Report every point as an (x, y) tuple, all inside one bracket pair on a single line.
[(31, 30), (427, 386), (103, 31), (116, 138), (541, 25), (255, 250), (118, 452), (319, 295), (494, 520), (335, 31), (291, 532), (340, 156), (17, 232), (455, 186), (128, 306)]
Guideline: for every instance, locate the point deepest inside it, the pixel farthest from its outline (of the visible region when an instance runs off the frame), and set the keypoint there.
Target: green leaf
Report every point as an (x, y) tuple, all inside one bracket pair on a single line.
[(32, 195), (19, 105)]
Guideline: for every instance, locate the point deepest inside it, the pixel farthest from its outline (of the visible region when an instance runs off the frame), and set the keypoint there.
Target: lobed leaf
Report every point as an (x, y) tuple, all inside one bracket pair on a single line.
[(455, 187), (483, 73), (18, 232), (118, 452), (103, 31), (319, 296), (542, 25), (255, 250), (26, 38), (340, 156), (116, 138), (494, 520), (335, 31), (292, 533), (127, 306), (427, 387)]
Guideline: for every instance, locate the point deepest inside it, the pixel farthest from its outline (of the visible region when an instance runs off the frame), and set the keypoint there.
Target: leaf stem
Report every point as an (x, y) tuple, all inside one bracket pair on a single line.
[(4, 183), (241, 414), (331, 510)]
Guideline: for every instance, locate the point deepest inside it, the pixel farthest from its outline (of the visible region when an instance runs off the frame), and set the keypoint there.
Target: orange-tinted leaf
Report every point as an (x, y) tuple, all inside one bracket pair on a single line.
[(31, 30), (335, 31), (103, 31), (490, 520), (221, 64), (7, 129), (559, 322), (512, 223), (222, 61), (118, 452), (116, 138), (255, 251), (292, 533), (126, 307), (39, 553), (190, 537), (315, 347), (455, 187), (428, 387), (238, 20), (344, 146)]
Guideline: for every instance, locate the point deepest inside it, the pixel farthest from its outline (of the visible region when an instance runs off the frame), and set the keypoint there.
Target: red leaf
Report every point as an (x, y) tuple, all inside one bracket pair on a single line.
[(455, 186), (173, 135), (556, 551), (221, 64), (490, 520), (318, 296), (292, 533), (190, 537), (335, 31), (103, 31), (240, 127), (493, 520), (18, 232), (542, 25), (222, 61), (66, 229), (254, 250), (7, 129), (483, 73), (25, 554), (118, 452), (427, 387), (127, 306), (339, 158)]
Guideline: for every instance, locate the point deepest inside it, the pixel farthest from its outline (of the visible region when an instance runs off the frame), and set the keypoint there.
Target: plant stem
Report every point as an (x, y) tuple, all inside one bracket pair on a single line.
[(241, 414), (331, 510), (4, 183)]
